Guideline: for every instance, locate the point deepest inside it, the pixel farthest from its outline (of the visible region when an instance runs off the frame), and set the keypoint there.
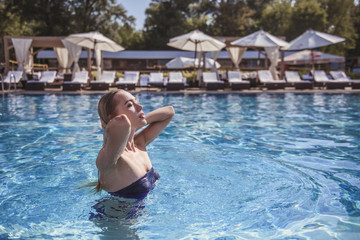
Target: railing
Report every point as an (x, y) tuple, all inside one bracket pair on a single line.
[(12, 78), (36, 66)]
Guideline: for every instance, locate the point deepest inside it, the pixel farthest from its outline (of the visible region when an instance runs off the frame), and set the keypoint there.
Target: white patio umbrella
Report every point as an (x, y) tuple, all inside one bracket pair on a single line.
[(306, 57), (313, 39), (95, 41), (196, 41), (184, 62), (262, 39)]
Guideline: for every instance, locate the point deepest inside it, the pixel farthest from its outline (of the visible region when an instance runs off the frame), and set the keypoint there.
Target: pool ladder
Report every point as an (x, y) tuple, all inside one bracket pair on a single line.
[(12, 78)]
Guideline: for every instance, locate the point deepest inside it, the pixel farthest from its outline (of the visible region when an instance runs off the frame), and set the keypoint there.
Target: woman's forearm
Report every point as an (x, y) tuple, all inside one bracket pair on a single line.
[(159, 115)]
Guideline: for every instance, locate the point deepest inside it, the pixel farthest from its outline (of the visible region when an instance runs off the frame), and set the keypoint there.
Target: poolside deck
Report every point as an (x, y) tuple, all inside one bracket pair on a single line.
[(187, 91)]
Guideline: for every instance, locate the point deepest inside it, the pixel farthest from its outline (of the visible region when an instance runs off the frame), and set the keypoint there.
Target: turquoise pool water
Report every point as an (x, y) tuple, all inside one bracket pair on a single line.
[(232, 166)]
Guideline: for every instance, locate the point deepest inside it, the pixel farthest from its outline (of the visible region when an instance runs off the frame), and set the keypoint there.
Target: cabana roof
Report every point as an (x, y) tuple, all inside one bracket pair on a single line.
[(41, 41)]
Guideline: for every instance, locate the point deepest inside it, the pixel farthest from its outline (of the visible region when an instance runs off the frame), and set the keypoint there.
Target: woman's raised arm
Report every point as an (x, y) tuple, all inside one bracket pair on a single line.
[(116, 134), (157, 120)]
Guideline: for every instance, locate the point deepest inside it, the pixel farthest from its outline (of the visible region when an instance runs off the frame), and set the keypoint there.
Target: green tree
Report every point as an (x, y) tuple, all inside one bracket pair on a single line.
[(232, 18), (258, 6), (275, 18), (339, 23), (355, 15), (63, 17), (164, 20), (46, 17), (306, 14)]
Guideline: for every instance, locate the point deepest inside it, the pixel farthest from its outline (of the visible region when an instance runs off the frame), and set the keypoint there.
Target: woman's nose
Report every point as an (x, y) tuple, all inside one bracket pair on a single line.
[(139, 107)]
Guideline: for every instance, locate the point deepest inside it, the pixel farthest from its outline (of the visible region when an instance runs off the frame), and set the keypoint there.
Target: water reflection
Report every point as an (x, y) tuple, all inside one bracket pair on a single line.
[(117, 217)]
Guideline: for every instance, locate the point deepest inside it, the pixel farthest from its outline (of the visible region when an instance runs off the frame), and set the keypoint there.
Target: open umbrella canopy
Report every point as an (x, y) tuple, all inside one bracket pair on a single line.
[(313, 39), (309, 57), (260, 39), (196, 41), (184, 62), (94, 40)]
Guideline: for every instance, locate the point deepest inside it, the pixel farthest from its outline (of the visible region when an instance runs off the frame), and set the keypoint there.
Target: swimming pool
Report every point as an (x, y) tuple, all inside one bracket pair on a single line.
[(232, 166)]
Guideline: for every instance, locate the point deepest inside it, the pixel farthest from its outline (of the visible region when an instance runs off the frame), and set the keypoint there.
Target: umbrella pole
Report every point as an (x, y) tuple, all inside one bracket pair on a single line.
[(282, 65), (194, 75), (312, 60), (258, 66)]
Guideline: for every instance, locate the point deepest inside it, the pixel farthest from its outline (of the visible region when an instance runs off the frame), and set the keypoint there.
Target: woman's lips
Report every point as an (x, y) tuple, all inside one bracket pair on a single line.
[(142, 115)]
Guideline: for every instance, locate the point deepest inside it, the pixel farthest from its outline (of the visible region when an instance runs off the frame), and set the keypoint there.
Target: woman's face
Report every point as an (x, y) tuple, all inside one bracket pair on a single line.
[(127, 104)]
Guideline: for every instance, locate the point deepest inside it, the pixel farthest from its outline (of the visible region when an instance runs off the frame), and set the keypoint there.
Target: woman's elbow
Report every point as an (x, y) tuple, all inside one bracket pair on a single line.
[(171, 111), (121, 121)]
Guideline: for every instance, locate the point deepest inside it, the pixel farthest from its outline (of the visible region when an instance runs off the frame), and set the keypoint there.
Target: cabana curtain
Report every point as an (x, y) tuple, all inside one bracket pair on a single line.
[(64, 59), (215, 55), (273, 55), (98, 63), (74, 51), (22, 47), (236, 54)]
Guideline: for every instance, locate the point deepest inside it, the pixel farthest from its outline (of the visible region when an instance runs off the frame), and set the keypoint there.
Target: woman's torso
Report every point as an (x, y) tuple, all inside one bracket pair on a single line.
[(131, 166)]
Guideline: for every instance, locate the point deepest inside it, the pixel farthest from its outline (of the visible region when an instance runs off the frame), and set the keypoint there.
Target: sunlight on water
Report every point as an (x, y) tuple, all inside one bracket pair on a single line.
[(232, 166)]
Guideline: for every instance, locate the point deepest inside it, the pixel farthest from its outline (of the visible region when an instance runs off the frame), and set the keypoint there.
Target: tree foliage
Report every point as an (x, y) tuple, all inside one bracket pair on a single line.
[(164, 20), (169, 18), (64, 17), (232, 18)]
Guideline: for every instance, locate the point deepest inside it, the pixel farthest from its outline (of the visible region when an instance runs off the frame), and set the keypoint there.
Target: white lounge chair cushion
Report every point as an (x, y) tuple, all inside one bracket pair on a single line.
[(175, 77), (80, 77), (235, 77), (339, 76), (16, 74), (47, 77), (292, 76), (210, 77), (129, 78), (266, 77), (156, 78), (106, 77)]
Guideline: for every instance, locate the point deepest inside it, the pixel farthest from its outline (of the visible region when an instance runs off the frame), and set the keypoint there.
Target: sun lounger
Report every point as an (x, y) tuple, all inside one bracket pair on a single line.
[(129, 81), (46, 79), (236, 82), (266, 79), (294, 80), (341, 75), (156, 80), (322, 79), (176, 81), (211, 82), (12, 78), (79, 81), (104, 83)]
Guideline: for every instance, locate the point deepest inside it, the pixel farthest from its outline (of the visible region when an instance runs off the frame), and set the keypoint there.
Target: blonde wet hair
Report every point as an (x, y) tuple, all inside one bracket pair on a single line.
[(106, 105)]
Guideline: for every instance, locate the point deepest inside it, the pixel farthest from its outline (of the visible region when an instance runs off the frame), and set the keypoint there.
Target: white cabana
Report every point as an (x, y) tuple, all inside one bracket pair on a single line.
[(262, 39), (196, 41), (74, 52), (311, 39), (64, 59), (97, 42), (236, 54), (22, 47)]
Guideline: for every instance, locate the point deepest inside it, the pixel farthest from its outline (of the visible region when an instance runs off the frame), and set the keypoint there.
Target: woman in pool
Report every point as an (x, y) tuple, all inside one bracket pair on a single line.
[(123, 163)]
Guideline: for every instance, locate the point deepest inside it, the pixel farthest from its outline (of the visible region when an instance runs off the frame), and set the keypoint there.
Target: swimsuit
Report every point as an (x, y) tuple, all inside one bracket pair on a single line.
[(140, 188)]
